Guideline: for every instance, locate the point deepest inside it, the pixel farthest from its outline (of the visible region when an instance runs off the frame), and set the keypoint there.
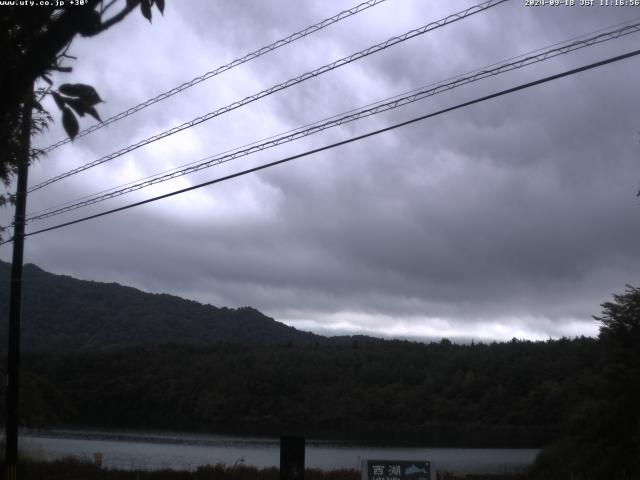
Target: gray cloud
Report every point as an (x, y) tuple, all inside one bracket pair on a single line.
[(515, 217)]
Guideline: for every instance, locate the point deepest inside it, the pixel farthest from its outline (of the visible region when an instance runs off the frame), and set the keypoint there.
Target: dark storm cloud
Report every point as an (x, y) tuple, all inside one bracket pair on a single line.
[(511, 218)]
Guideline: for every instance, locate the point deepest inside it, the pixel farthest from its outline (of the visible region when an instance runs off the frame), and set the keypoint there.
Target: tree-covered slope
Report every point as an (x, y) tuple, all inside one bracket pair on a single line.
[(111, 356), (509, 394), (62, 314)]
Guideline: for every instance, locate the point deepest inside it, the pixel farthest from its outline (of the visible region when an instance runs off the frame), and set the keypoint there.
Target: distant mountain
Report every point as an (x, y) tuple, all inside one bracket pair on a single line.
[(108, 356), (64, 314)]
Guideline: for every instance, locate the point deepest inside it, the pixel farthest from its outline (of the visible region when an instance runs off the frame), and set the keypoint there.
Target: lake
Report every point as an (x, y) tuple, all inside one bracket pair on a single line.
[(153, 451)]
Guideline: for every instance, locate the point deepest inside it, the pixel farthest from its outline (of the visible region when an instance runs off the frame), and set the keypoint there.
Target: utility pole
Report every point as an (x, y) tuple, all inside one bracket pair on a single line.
[(15, 298)]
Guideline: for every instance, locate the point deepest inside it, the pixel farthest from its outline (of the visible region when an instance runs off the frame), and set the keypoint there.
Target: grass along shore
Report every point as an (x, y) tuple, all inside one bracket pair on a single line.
[(72, 469)]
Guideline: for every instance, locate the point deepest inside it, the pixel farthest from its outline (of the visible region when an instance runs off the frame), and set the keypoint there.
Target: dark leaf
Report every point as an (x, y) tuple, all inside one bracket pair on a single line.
[(73, 89), (90, 22), (47, 79), (160, 4), (132, 3), (38, 106), (87, 93), (145, 7), (70, 123), (58, 99), (94, 113), (78, 106)]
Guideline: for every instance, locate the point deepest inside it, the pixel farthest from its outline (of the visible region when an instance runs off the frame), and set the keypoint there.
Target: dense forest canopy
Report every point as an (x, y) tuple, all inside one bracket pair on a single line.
[(509, 394)]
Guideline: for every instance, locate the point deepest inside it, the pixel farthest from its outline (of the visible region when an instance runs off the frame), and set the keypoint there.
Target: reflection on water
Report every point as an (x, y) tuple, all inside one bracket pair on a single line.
[(186, 451)]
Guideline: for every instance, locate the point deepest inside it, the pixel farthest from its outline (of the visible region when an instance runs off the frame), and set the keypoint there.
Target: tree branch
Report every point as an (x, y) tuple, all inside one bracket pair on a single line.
[(107, 7), (113, 20)]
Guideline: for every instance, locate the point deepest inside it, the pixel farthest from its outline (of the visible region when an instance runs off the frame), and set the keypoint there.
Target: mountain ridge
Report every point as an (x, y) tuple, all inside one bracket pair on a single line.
[(62, 314)]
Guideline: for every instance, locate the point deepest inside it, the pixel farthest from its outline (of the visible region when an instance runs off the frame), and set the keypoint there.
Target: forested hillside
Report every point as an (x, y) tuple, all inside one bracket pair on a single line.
[(104, 355), (63, 314), (516, 393)]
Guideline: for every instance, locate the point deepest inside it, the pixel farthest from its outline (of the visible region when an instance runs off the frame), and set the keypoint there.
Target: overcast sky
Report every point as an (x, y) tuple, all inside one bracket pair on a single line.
[(516, 217)]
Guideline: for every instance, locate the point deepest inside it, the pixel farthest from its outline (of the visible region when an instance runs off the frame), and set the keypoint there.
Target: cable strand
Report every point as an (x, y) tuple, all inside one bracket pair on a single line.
[(322, 125), (276, 88), (344, 142), (217, 71)]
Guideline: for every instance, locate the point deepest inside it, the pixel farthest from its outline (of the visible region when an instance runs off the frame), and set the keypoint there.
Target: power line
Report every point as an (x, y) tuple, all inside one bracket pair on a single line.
[(354, 115), (217, 71), (173, 169), (281, 86), (344, 142), (455, 77)]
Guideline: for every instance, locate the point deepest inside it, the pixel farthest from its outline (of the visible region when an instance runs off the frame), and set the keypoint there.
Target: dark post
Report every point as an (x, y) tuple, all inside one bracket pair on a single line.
[(292, 458), (15, 298)]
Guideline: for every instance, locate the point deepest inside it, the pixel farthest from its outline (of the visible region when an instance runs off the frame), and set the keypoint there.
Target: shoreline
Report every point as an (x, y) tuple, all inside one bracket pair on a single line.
[(152, 451), (37, 469)]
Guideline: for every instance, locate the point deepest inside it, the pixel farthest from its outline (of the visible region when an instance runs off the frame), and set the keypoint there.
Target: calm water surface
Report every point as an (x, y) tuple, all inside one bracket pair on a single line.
[(186, 451)]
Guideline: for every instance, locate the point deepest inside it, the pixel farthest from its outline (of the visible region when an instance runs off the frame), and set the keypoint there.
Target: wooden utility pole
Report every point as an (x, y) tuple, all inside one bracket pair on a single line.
[(15, 298)]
